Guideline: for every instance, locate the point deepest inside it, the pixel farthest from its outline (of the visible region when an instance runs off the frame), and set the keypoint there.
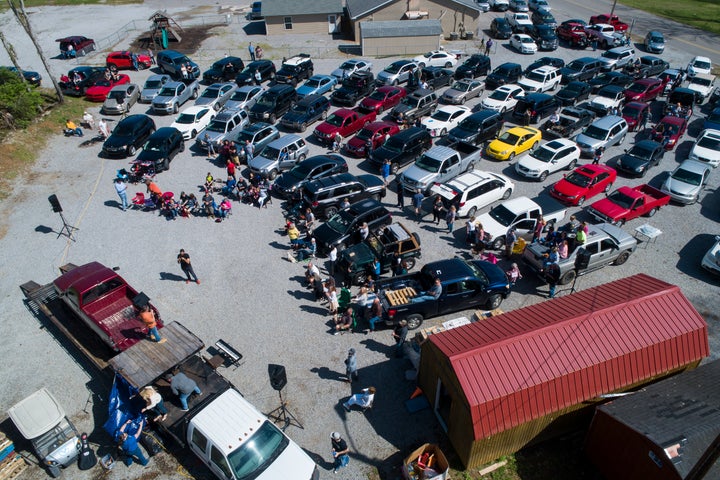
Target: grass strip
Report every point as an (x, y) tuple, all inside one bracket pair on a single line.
[(702, 14)]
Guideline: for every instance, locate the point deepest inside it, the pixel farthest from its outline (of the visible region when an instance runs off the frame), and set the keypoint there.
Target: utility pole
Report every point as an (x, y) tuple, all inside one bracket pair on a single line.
[(611, 11), (23, 20), (13, 58)]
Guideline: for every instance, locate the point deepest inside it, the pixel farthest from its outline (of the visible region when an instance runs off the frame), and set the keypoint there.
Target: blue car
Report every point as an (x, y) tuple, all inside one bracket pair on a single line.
[(317, 84), (713, 120)]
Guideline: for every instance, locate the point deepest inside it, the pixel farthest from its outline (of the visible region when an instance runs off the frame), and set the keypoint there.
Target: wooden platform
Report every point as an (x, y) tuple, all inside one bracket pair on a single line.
[(400, 297), (145, 361), (11, 468)]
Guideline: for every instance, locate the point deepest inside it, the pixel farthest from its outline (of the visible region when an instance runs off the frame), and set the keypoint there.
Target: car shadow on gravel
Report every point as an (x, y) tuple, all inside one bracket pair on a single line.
[(690, 256), (709, 203)]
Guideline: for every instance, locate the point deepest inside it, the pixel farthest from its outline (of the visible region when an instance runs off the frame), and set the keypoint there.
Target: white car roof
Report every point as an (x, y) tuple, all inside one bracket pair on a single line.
[(193, 109), (36, 414)]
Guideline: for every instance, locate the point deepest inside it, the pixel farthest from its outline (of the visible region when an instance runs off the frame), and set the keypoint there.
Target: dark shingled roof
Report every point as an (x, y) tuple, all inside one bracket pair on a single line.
[(400, 28), (685, 406), (281, 8), (359, 8)]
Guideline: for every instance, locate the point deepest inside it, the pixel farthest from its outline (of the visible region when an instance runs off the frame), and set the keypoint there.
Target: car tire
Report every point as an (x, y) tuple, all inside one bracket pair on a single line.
[(571, 165), (652, 212), (470, 167), (568, 277), (330, 211), (502, 111), (534, 147), (394, 168), (472, 212), (131, 150), (443, 132), (421, 65), (543, 176), (580, 202), (300, 158), (607, 187), (414, 321), (394, 83), (498, 243), (622, 258), (193, 134), (176, 107), (507, 194), (622, 139), (494, 301), (448, 64), (360, 278), (303, 127), (410, 263), (166, 164), (272, 175), (195, 94), (272, 119), (512, 155), (323, 115), (216, 107)]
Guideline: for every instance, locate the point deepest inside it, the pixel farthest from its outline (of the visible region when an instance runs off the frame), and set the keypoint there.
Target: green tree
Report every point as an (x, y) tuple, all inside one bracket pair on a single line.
[(18, 106)]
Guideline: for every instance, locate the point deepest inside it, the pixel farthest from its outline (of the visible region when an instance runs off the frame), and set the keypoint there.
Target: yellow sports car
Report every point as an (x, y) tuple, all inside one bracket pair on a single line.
[(513, 142)]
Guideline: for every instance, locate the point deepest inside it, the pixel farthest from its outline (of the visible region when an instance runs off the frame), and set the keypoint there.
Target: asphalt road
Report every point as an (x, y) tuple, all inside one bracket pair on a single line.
[(250, 296)]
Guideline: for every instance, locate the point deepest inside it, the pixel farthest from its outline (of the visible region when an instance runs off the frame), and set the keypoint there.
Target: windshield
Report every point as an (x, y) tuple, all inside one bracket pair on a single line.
[(469, 124), (574, 87), (686, 176), (102, 83), (394, 145), (341, 221), (167, 92), (500, 95), (239, 96), (250, 69), (502, 215), (640, 152), (575, 65), (365, 134), (701, 64), (297, 108), (210, 93), (577, 178), (526, 40), (472, 61), (655, 39), (612, 94), (460, 86), (538, 77), (376, 95), (267, 100), (594, 132), (152, 145), (347, 66), (709, 142), (637, 87), (610, 54), (123, 130), (257, 453), (479, 274), (153, 84), (619, 198), (217, 126), (335, 120), (394, 67), (509, 138), (313, 83), (117, 95), (271, 153), (430, 164), (441, 115), (543, 154), (185, 119), (410, 102)]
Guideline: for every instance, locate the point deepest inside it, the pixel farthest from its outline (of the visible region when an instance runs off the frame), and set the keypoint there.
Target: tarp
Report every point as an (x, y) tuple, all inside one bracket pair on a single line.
[(124, 404)]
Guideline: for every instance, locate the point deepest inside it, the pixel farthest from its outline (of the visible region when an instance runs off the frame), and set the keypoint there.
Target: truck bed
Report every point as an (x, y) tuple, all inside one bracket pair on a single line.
[(657, 197), (551, 208), (123, 326)]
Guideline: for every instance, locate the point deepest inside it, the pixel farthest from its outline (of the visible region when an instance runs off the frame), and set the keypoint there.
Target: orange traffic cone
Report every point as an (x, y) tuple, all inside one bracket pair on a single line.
[(418, 391)]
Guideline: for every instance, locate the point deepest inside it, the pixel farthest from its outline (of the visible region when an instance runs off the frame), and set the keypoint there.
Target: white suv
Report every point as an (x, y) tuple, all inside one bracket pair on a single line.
[(707, 148), (541, 80), (703, 84), (474, 190), (548, 158)]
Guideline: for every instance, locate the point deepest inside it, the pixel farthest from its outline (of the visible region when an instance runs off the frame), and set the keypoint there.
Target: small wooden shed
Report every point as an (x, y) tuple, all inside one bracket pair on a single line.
[(399, 37), (500, 384), (667, 431)]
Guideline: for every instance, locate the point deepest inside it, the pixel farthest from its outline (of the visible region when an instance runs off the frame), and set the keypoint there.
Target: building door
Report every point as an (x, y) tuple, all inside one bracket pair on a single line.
[(443, 402), (332, 24)]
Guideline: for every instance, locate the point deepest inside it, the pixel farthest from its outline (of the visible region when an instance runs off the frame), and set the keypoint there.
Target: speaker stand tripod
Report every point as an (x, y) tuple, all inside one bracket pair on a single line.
[(284, 415), (572, 289), (66, 229)]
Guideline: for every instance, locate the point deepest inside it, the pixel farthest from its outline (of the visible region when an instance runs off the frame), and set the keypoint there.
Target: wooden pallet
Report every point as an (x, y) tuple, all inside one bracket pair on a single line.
[(14, 468), (400, 297)]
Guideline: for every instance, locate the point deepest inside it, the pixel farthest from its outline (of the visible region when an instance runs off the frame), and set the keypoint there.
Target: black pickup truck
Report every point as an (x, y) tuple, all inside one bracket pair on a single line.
[(381, 244), (465, 285), (647, 66), (355, 87)]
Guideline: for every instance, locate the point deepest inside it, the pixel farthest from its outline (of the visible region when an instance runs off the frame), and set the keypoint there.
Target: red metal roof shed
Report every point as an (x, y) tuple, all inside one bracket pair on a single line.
[(546, 358)]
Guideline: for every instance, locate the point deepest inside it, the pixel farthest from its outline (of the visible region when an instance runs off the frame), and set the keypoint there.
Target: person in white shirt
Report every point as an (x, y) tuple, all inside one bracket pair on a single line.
[(364, 399)]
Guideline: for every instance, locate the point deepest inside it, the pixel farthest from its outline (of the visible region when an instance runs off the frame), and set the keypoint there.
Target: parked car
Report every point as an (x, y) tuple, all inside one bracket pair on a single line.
[(703, 85), (259, 135), (477, 128), (604, 132), (583, 183), (99, 91), (712, 121), (541, 80), (216, 95), (550, 157), (654, 42), (699, 64), (79, 79), (273, 103), (711, 259), (437, 58), (396, 73), (75, 46), (324, 196), (161, 147), (306, 112), (256, 12), (573, 33), (617, 57), (644, 90), (641, 157), (504, 74), (383, 98), (152, 87), (349, 67), (310, 169), (341, 230), (173, 95), (523, 43), (295, 69), (123, 60), (33, 78), (438, 165), (519, 6), (538, 105), (628, 203), (539, 5), (607, 99), (317, 84), (687, 181), (544, 36), (500, 5), (120, 99), (193, 120), (569, 121), (279, 155), (544, 62), (513, 142), (610, 78), (582, 69), (463, 90), (244, 97), (402, 148), (707, 148), (128, 135), (500, 28), (247, 76), (225, 126), (419, 103), (635, 114), (503, 99), (371, 137), (171, 62), (544, 17), (474, 66), (354, 88), (573, 92), (669, 131), (473, 191), (445, 119), (224, 70), (436, 77)]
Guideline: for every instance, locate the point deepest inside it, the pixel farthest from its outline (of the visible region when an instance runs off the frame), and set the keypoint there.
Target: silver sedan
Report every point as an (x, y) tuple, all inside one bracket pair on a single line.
[(216, 95), (463, 90), (120, 99)]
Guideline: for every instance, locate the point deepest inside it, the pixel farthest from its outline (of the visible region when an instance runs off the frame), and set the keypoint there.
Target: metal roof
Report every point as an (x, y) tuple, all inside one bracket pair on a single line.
[(681, 409), (530, 362), (400, 28), (360, 8), (284, 8)]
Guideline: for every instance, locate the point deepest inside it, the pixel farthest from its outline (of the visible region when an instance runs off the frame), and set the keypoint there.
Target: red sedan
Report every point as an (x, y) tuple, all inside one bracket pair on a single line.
[(123, 61), (383, 98), (644, 90), (99, 91), (669, 131), (375, 133), (635, 113), (584, 182)]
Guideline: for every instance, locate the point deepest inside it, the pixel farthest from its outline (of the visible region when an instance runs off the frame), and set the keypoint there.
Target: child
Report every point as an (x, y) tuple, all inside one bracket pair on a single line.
[(513, 274)]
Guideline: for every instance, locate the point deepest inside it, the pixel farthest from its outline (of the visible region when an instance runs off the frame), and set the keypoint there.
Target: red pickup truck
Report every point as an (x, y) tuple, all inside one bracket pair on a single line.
[(344, 122), (627, 203), (105, 303), (613, 20)]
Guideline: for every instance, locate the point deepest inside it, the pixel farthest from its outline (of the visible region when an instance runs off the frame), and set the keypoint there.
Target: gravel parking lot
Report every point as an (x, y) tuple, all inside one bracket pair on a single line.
[(250, 295)]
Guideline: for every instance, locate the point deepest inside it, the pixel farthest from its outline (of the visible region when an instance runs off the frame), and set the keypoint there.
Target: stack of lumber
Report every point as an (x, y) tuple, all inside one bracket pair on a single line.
[(400, 297), (11, 463)]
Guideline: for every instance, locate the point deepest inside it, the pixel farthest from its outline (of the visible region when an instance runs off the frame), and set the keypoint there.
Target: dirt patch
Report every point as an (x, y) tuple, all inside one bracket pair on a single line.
[(192, 39)]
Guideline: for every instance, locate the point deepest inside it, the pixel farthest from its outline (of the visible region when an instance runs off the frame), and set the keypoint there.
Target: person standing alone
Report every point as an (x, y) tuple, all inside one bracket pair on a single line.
[(121, 189), (251, 49), (351, 366), (339, 452), (183, 259)]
